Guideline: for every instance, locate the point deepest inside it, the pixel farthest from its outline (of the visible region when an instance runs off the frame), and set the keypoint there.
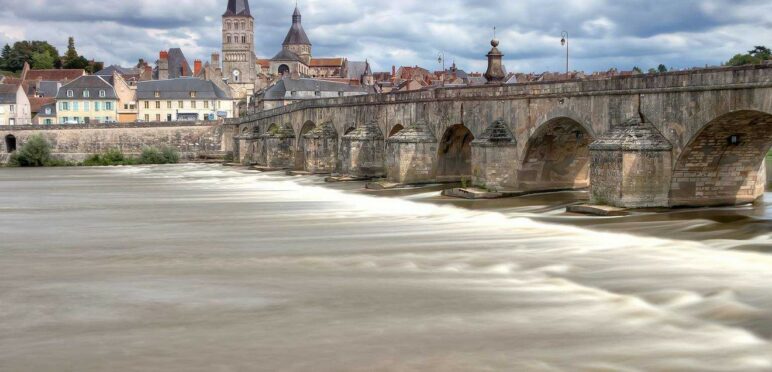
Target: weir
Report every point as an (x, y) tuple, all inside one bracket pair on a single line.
[(703, 142)]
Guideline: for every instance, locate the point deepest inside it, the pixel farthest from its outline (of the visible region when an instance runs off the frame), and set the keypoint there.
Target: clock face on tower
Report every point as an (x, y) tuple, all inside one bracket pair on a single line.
[(236, 75)]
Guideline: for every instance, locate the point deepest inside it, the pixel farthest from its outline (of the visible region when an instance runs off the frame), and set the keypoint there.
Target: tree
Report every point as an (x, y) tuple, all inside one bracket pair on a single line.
[(24, 51), (652, 70), (4, 57), (42, 60), (77, 63), (72, 54), (662, 68), (756, 56), (637, 70)]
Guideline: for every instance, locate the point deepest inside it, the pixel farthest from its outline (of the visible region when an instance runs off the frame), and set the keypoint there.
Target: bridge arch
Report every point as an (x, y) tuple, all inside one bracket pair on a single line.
[(454, 154), (557, 156), (300, 147), (10, 143), (723, 162)]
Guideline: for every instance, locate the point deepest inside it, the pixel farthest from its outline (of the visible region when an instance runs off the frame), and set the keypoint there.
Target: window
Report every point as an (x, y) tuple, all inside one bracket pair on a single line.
[(85, 106), (48, 122), (70, 94), (97, 106), (48, 111), (108, 106), (158, 104), (75, 106), (147, 104), (180, 104), (192, 94), (318, 93), (147, 117), (157, 94), (64, 106), (63, 120), (85, 94), (11, 121), (168, 104), (102, 94), (206, 104), (13, 108), (192, 104), (229, 39), (243, 39), (229, 25), (157, 117)]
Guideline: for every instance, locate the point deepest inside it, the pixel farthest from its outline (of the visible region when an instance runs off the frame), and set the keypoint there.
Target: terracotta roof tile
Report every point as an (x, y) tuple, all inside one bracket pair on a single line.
[(55, 75)]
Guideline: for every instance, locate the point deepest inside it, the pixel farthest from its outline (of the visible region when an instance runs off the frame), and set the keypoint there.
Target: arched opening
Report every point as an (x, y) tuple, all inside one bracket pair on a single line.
[(300, 150), (454, 160), (350, 129), (10, 143), (722, 165), (396, 129), (557, 157), (284, 69)]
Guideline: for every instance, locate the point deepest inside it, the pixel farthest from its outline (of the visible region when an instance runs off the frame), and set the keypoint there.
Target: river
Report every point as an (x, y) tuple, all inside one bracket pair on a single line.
[(206, 268)]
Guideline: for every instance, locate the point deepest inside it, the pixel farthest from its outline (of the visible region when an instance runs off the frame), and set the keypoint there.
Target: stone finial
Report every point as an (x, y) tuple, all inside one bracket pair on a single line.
[(495, 73)]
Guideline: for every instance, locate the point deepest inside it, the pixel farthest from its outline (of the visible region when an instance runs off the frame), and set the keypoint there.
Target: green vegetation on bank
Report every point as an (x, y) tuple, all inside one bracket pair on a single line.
[(36, 152), (42, 55)]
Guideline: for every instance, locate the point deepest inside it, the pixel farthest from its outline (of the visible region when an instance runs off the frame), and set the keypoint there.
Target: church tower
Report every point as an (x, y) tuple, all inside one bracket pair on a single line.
[(297, 41), (238, 48)]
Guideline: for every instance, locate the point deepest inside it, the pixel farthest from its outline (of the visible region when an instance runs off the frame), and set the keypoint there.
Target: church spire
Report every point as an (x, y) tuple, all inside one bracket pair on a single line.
[(237, 8), (296, 35)]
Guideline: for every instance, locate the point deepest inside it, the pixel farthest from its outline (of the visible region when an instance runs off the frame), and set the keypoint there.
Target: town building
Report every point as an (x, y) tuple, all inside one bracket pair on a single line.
[(14, 105), (46, 114), (288, 90), (87, 99), (183, 99), (172, 64)]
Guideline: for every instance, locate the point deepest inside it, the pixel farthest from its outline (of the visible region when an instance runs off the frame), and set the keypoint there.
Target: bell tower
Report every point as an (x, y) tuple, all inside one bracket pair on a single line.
[(238, 48)]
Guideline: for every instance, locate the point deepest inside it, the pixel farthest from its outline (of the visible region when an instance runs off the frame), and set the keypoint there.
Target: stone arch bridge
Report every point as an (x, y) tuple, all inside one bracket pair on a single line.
[(692, 138)]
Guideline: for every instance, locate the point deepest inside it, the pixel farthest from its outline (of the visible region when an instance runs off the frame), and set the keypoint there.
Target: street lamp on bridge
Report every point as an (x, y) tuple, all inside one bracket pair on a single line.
[(564, 42)]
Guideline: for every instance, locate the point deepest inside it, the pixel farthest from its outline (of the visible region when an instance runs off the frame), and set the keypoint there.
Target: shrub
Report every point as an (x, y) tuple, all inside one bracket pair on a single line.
[(152, 155), (35, 153)]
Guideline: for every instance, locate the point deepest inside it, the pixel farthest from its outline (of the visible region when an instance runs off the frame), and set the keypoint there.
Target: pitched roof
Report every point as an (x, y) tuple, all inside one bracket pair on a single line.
[(280, 89), (264, 63), (37, 103), (41, 109), (327, 62), (179, 89), (237, 8), (286, 55), (8, 94), (48, 88), (355, 70), (296, 35), (55, 75), (178, 64), (91, 83), (120, 70)]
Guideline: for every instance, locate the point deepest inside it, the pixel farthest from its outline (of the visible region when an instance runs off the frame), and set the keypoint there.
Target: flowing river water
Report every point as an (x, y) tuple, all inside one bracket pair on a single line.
[(206, 268)]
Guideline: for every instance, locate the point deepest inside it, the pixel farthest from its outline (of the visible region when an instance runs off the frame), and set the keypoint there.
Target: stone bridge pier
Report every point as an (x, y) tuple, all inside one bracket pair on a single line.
[(695, 138)]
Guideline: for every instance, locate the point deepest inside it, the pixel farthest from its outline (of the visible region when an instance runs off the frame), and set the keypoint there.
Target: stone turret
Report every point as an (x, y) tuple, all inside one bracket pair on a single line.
[(278, 147), (296, 40), (495, 73)]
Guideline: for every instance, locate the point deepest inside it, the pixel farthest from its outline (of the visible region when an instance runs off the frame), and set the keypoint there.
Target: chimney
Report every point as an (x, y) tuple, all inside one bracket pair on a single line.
[(197, 64), (163, 65), (215, 60), (393, 73)]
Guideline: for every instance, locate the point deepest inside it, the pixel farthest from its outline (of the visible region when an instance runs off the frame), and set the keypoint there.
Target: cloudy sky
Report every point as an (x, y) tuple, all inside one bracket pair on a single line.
[(603, 33)]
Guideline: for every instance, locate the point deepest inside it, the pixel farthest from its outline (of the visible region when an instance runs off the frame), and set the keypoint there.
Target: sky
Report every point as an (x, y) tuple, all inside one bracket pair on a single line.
[(602, 33)]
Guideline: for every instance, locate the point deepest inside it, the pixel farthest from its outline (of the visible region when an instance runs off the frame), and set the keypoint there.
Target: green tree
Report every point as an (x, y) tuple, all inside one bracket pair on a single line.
[(77, 63), (637, 69), (652, 70), (42, 60), (72, 54), (661, 68), (756, 56), (23, 51), (4, 56)]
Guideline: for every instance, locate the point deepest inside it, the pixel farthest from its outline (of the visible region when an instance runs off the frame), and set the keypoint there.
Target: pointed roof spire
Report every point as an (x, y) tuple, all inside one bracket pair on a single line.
[(296, 35), (237, 8)]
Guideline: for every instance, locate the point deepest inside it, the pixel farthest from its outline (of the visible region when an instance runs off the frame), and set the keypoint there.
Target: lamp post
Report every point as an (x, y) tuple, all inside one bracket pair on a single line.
[(564, 42)]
